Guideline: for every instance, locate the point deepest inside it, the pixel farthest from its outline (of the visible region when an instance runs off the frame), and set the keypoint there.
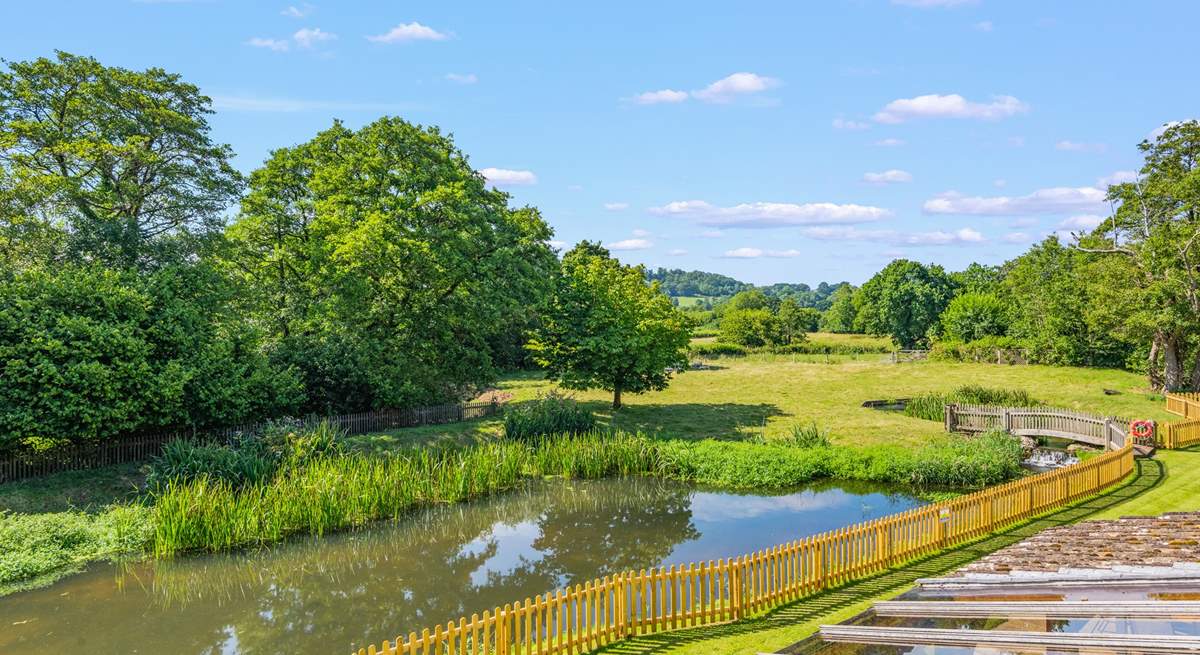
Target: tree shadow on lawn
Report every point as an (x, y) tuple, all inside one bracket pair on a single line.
[(730, 421), (1150, 474)]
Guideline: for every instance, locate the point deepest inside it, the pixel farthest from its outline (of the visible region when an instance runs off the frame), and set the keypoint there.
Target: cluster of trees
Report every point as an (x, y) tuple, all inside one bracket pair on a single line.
[(676, 282), (362, 269), (754, 319)]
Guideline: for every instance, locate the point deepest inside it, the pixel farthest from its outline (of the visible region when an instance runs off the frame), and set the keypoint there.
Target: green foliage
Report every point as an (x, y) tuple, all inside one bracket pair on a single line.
[(384, 267), (550, 414), (751, 299), (834, 348), (676, 282), (904, 301), (839, 318), (605, 327), (807, 435), (988, 350), (794, 320), (36, 548), (107, 165), (752, 328), (932, 406), (972, 316)]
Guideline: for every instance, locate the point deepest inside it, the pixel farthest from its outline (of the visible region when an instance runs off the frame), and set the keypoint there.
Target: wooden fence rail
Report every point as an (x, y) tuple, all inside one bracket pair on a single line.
[(1181, 434), (19, 466), (1105, 431), (585, 617)]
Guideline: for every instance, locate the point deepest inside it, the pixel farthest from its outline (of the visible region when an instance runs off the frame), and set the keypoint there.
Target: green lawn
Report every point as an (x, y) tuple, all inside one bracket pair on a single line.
[(742, 397), (1179, 490)]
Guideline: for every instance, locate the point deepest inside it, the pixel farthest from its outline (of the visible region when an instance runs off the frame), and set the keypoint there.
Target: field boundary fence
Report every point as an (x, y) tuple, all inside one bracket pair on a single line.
[(136, 448), (585, 617), (1185, 433)]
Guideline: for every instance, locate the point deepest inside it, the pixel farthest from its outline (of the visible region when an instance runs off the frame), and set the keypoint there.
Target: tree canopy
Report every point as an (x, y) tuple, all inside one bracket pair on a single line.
[(604, 326), (904, 301)]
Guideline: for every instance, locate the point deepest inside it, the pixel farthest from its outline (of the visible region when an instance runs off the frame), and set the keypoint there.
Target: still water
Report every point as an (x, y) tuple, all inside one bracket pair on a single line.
[(332, 594)]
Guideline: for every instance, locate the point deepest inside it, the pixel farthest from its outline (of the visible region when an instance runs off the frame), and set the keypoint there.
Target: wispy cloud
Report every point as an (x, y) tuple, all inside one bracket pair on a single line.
[(844, 124), (308, 37), (771, 214), (724, 90), (890, 142), (508, 177), (462, 78), (1081, 222), (984, 26), (413, 31), (278, 45), (630, 244), (1118, 177), (294, 11), (892, 176), (949, 106), (616, 206), (961, 236), (1054, 200), (754, 253), (675, 252)]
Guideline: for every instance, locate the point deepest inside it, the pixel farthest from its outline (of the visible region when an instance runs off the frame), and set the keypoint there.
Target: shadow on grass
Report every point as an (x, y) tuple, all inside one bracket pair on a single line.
[(688, 420), (1150, 474)]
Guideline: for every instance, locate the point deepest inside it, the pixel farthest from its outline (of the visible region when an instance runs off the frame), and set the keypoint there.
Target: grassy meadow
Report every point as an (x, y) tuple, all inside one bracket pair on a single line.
[(765, 395)]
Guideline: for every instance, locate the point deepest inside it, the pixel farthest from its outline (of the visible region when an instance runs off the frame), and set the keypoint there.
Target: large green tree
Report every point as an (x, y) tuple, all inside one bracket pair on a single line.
[(842, 311), (605, 327), (383, 266), (1155, 230), (904, 301), (117, 166), (975, 315)]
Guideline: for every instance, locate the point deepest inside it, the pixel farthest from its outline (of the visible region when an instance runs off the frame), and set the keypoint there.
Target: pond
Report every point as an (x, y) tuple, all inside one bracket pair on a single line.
[(332, 594)]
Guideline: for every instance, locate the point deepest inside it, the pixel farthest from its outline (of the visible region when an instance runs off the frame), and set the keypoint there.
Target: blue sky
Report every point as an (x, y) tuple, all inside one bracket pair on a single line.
[(771, 141)]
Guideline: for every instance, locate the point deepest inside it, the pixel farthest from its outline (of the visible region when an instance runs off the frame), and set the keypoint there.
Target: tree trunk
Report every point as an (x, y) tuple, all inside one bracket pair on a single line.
[(617, 397), (1196, 372), (1153, 369), (1173, 366)]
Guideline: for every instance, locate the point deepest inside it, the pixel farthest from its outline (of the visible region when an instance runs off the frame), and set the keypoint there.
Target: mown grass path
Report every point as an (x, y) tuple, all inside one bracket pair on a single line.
[(788, 624)]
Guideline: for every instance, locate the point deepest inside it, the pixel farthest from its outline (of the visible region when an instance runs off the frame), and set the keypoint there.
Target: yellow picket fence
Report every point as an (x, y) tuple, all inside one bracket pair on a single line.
[(588, 616), (1181, 434)]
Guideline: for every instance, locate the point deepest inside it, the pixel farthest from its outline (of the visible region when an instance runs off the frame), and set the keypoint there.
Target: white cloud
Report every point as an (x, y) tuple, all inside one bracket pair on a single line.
[(297, 12), (930, 4), (462, 78), (1085, 222), (1160, 130), (307, 37), (574, 187), (890, 142), (713, 234), (1017, 237), (1024, 221), (1000, 183), (413, 31), (843, 124), (724, 89), (641, 233), (1079, 146), (656, 97), (743, 253), (984, 26), (675, 252), (630, 244), (892, 176), (554, 243), (508, 177), (771, 214), (961, 236), (949, 106), (1055, 200), (288, 105), (278, 45), (1118, 177), (616, 206)]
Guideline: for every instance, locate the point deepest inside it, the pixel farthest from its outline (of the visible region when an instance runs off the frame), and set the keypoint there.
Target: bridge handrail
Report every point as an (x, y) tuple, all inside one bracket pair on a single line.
[(1106, 431)]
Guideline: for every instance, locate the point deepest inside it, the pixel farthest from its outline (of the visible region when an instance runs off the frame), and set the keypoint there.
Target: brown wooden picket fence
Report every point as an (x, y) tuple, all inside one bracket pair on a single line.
[(1181, 434), (585, 617), (137, 448)]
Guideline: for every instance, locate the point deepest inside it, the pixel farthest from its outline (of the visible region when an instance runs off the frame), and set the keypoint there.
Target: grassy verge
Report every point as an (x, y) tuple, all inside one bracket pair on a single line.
[(774, 631)]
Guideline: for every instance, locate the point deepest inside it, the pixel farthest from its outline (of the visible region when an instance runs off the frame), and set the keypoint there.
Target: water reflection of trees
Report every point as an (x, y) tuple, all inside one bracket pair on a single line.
[(356, 587)]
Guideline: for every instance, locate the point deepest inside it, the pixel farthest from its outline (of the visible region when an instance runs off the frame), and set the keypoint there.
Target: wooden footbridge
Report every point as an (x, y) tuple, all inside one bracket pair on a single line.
[(1108, 432)]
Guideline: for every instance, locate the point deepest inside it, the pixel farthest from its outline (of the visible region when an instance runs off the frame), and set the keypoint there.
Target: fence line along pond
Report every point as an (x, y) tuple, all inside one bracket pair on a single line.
[(340, 591)]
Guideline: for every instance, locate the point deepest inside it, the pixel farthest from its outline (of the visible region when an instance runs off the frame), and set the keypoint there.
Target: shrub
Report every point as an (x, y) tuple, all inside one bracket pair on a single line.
[(717, 349), (806, 435), (750, 327), (826, 348), (986, 350), (973, 316), (932, 406), (551, 414)]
